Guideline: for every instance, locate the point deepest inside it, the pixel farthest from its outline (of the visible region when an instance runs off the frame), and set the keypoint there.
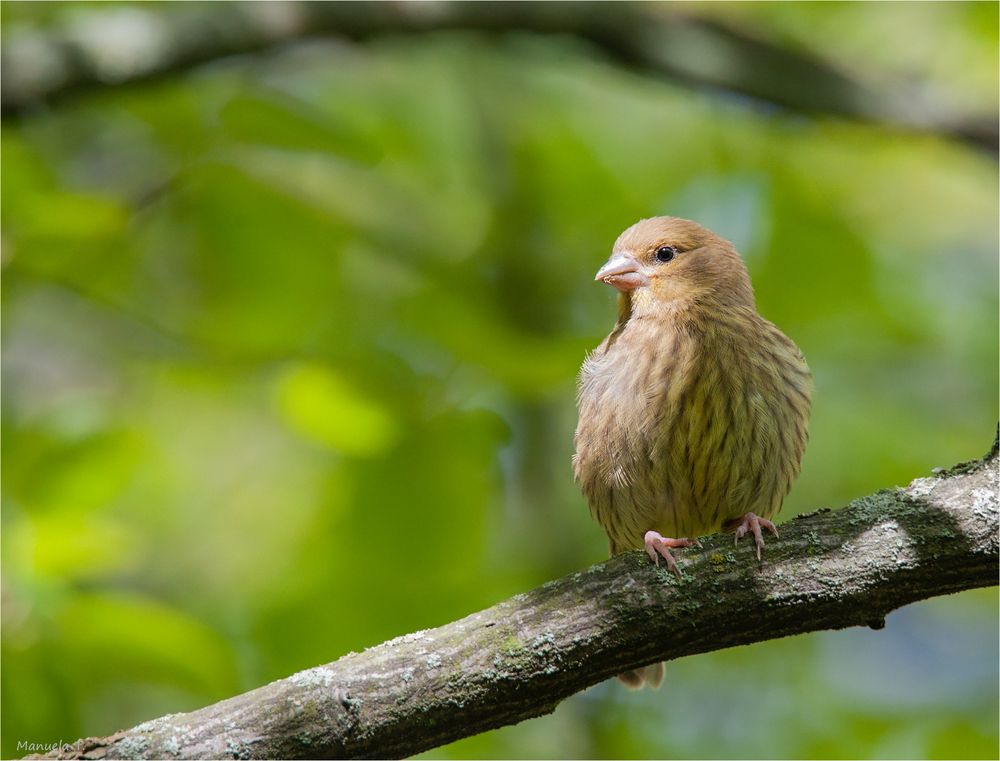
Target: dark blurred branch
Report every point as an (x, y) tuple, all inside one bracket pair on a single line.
[(123, 45), (520, 658)]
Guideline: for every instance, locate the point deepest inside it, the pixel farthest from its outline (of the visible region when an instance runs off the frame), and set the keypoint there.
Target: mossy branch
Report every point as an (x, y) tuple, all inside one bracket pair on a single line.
[(520, 658)]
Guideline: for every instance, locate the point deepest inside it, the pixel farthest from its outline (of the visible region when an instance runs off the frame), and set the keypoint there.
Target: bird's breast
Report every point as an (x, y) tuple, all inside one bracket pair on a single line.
[(623, 385), (625, 392), (682, 429)]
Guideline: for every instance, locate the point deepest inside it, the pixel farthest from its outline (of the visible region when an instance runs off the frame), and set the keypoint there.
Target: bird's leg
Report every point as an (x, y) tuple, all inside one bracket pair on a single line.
[(752, 523), (659, 546)]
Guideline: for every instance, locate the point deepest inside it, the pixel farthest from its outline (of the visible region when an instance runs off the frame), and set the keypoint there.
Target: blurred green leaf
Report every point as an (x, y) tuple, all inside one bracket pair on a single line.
[(323, 407), (73, 547), (132, 637)]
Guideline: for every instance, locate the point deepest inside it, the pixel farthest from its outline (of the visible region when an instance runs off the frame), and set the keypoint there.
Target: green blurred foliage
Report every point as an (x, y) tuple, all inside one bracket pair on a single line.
[(289, 347)]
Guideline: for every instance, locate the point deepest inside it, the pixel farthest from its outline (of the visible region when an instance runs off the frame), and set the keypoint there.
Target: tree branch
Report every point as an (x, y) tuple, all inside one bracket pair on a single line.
[(520, 658), (110, 47)]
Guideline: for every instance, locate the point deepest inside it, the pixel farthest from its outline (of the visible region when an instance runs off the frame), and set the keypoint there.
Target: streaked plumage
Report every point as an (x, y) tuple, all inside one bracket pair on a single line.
[(693, 411)]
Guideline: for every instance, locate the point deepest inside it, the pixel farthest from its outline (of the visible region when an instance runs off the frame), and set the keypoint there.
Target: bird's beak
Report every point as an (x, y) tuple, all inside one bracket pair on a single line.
[(623, 272)]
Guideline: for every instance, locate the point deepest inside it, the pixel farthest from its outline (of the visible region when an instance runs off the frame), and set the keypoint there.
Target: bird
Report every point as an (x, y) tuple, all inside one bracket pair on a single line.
[(694, 410)]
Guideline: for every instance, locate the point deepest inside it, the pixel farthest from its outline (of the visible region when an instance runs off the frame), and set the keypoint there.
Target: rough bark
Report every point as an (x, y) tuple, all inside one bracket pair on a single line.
[(520, 658), (111, 47)]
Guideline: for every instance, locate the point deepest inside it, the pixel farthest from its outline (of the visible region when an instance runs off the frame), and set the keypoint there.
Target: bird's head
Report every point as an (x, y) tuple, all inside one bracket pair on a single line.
[(667, 259)]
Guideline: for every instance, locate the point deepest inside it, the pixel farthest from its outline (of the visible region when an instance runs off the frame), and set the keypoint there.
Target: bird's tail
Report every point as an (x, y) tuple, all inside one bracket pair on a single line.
[(647, 675)]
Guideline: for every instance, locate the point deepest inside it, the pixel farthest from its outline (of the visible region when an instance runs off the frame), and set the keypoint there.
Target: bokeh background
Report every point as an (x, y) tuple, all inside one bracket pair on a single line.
[(294, 298)]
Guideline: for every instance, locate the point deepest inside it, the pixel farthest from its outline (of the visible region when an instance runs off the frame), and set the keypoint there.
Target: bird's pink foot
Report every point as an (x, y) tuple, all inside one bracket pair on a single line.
[(753, 523), (659, 546)]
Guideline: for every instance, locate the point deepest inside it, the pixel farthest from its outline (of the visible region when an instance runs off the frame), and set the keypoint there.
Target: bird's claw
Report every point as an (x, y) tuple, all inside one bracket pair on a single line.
[(752, 523), (658, 546)]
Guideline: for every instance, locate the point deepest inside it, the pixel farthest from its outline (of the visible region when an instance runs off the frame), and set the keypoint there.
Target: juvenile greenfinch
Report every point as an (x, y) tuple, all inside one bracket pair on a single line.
[(693, 411)]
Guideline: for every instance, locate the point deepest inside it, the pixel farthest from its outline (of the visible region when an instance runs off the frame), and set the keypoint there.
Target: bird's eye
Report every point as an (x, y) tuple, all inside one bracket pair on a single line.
[(665, 253)]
